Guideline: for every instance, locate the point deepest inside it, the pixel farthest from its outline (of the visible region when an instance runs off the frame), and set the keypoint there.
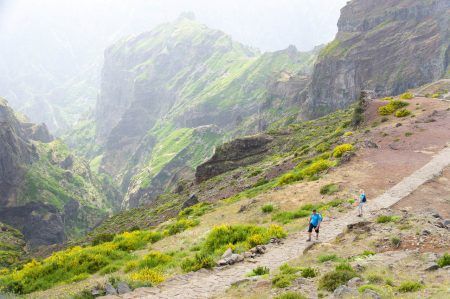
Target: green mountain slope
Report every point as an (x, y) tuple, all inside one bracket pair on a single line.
[(170, 95), (47, 193)]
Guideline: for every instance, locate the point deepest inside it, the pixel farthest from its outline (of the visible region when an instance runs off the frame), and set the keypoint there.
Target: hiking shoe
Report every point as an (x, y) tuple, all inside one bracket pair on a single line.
[(308, 240)]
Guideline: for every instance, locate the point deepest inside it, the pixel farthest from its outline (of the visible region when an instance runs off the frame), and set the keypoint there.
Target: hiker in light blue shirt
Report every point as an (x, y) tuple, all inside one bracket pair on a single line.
[(314, 223), (361, 200)]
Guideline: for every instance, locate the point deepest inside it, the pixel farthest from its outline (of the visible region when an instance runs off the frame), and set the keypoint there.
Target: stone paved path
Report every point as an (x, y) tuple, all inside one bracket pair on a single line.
[(206, 283)]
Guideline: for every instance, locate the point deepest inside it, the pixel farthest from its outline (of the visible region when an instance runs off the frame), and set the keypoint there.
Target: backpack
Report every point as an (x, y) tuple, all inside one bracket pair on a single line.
[(364, 199)]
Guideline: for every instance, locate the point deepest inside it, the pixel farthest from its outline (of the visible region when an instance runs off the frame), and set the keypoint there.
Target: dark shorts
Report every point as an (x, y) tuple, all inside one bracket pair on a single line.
[(311, 227)]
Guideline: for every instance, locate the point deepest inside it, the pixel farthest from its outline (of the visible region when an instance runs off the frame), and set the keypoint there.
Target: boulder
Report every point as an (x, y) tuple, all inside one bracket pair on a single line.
[(371, 294), (193, 200), (344, 291), (110, 290), (227, 253), (431, 267), (123, 288), (354, 282)]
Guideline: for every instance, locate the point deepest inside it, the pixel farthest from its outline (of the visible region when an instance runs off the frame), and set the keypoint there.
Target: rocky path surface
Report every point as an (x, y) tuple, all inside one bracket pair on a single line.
[(207, 283)]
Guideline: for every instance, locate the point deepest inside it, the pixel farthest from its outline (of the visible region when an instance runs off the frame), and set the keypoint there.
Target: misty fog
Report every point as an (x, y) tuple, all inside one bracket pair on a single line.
[(47, 45)]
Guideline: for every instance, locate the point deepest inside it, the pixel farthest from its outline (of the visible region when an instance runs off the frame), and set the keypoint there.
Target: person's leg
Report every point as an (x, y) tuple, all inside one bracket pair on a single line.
[(359, 209), (310, 229), (317, 234)]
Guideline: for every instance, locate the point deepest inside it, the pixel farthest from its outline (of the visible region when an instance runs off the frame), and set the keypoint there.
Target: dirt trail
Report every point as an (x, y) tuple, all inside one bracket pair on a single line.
[(205, 283)]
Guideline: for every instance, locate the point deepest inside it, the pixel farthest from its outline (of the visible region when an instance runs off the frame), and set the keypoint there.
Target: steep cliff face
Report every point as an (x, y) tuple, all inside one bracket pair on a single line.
[(45, 192), (165, 93), (387, 46)]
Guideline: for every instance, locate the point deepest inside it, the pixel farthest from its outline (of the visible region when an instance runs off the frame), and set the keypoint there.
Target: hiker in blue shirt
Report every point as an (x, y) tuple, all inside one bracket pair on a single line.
[(362, 199), (314, 223)]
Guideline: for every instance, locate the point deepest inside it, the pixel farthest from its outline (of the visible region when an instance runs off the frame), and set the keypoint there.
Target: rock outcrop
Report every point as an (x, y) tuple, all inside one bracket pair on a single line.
[(234, 154), (46, 193), (387, 46)]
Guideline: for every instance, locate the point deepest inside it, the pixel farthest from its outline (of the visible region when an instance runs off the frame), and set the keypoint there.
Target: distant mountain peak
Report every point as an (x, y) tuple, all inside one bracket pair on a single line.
[(189, 15)]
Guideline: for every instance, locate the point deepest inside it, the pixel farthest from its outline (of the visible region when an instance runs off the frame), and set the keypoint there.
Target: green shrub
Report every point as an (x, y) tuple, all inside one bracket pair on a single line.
[(199, 261), (283, 280), (150, 276), (378, 289), (444, 260), (323, 147), (289, 178), (129, 241), (195, 211), (327, 257), (309, 272), (367, 253), (409, 286), (260, 270), (341, 149), (261, 182), (102, 238), (393, 106), (287, 269), (332, 280), (267, 208), (386, 110), (329, 189), (344, 266), (396, 241), (402, 113), (388, 99), (375, 278), (154, 259), (387, 219), (290, 295), (407, 96), (181, 225), (317, 167), (239, 235)]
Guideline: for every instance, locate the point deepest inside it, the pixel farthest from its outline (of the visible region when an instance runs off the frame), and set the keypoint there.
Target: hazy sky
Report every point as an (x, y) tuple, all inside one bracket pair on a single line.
[(265, 24)]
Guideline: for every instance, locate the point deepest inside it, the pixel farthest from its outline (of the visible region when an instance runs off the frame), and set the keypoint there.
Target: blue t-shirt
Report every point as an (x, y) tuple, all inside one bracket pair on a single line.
[(316, 219)]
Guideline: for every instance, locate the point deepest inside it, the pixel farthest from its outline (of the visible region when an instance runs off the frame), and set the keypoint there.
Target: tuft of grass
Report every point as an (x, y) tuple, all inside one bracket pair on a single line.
[(396, 241), (387, 219), (283, 280), (267, 208), (290, 295), (341, 149), (332, 280), (409, 287), (408, 134), (309, 272), (329, 189), (327, 257), (375, 279), (444, 260), (259, 271)]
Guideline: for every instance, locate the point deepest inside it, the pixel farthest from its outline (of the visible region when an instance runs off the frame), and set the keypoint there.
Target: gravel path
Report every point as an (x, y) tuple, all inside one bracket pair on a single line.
[(206, 283)]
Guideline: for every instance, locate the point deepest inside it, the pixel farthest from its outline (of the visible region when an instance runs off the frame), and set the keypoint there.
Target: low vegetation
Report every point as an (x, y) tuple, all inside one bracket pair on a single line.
[(341, 275), (392, 107), (329, 189), (259, 271), (340, 150)]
